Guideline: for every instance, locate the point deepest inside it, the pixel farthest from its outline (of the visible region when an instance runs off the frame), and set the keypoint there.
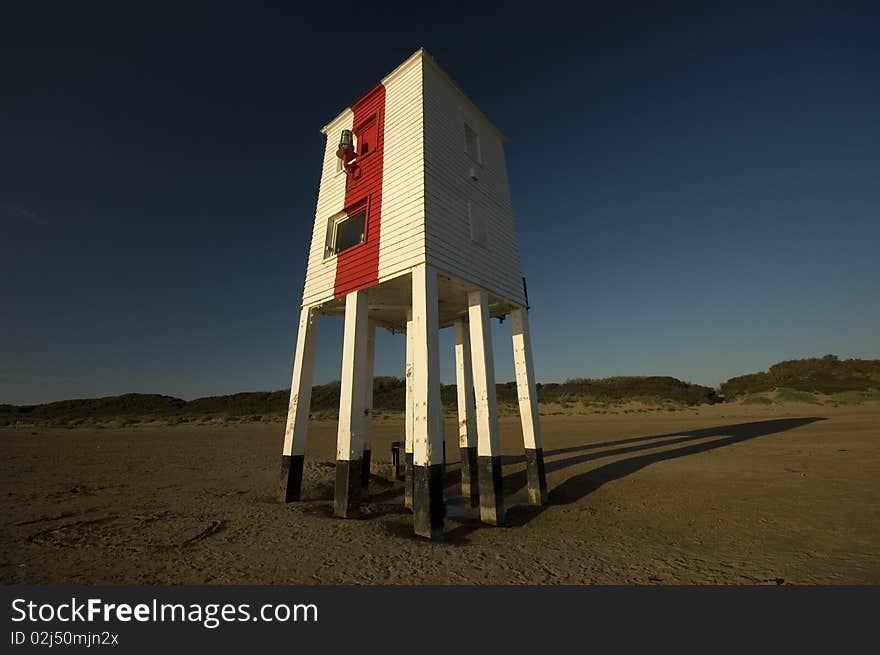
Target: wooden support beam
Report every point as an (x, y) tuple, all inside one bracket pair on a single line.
[(492, 509), (408, 425), (296, 429), (467, 427), (427, 408), (352, 403), (368, 405), (528, 406)]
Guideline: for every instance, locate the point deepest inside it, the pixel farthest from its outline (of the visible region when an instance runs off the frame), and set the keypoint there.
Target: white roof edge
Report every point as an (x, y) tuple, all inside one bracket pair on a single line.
[(406, 63), (424, 55), (342, 115), (451, 81), (397, 71)]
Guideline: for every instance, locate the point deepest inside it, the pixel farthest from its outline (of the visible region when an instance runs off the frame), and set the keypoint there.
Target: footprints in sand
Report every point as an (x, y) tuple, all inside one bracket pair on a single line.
[(70, 535), (46, 519), (213, 528), (85, 490), (156, 531)]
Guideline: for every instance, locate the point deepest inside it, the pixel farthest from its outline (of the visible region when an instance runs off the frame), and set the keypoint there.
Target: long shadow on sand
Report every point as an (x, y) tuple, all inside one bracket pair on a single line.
[(582, 484), (578, 486)]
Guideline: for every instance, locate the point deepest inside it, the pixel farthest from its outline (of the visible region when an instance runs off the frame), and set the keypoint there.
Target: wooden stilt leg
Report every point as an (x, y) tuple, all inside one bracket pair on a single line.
[(427, 410), (368, 405), (350, 436), (528, 406), (492, 510), (467, 428), (290, 477), (408, 444)]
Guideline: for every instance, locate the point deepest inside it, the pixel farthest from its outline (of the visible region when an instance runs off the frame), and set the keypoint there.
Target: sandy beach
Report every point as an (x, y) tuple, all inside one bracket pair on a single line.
[(782, 494)]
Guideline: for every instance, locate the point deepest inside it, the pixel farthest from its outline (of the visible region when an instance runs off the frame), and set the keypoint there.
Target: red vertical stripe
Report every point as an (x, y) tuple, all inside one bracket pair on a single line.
[(358, 267)]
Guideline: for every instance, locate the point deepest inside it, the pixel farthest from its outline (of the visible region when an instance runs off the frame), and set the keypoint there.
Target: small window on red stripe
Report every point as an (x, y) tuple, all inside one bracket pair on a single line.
[(367, 138)]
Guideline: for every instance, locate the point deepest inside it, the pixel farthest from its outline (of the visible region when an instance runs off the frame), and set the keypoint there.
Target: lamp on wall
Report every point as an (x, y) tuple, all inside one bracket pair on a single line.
[(345, 152)]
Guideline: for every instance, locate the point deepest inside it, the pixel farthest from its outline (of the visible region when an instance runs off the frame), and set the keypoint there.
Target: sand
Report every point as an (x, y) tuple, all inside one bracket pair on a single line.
[(722, 494)]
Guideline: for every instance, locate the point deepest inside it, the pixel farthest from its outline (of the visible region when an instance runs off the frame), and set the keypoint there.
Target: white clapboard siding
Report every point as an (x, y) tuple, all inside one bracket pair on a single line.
[(321, 273), (449, 188), (402, 239)]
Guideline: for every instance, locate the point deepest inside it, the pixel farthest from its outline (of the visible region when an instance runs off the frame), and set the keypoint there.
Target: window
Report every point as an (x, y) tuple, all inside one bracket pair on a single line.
[(479, 229), (367, 138), (472, 143), (346, 231)]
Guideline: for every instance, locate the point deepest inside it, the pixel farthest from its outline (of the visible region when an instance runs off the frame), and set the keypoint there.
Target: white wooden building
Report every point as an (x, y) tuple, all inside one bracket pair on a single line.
[(414, 232)]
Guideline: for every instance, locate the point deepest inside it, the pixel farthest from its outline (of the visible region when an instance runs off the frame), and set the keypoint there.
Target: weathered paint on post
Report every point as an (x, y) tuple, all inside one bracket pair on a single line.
[(350, 435), (467, 427), (488, 443), (408, 425), (528, 406), (427, 408), (296, 429), (368, 404)]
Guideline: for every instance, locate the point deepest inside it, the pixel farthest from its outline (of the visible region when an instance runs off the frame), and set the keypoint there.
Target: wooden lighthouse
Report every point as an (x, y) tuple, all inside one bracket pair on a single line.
[(414, 232)]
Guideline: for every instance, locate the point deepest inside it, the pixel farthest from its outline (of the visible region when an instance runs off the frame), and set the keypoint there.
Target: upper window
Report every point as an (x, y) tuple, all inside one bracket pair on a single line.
[(346, 231), (472, 143), (367, 138), (479, 227)]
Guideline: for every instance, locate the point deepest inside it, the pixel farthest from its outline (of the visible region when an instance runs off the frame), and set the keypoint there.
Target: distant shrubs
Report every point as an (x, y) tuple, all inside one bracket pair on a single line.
[(854, 397), (389, 396), (74, 413), (838, 381), (757, 400), (651, 390), (785, 395), (825, 375)]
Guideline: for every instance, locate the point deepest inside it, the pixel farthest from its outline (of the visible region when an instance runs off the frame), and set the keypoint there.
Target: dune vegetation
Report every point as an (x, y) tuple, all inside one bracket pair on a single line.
[(825, 380), (389, 396), (846, 379)]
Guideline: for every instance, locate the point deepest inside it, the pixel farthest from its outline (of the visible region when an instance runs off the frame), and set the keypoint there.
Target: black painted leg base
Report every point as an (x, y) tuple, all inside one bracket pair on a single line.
[(536, 477), (428, 501), (365, 473), (491, 491), (347, 497), (408, 481), (290, 478), (470, 479), (396, 466)]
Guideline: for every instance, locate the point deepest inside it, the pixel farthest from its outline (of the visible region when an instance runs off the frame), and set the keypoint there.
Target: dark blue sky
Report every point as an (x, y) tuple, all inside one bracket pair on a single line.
[(697, 191)]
